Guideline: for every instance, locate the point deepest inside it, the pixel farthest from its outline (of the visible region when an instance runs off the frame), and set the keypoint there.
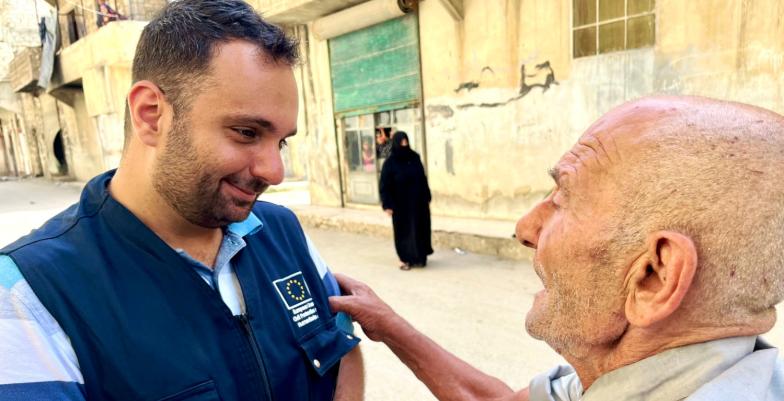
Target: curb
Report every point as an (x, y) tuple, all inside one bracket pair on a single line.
[(502, 247)]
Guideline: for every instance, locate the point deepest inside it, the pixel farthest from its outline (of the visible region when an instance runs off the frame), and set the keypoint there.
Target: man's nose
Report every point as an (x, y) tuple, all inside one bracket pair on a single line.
[(529, 226), (268, 165)]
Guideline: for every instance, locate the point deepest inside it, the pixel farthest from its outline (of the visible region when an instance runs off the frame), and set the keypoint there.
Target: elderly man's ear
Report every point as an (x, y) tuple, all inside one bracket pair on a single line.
[(147, 104), (660, 278)]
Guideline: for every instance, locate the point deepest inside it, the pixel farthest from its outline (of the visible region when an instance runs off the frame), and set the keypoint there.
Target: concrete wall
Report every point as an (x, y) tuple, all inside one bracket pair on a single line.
[(316, 124), (41, 119), (22, 138), (92, 76), (725, 49), (491, 136), (82, 138), (85, 12)]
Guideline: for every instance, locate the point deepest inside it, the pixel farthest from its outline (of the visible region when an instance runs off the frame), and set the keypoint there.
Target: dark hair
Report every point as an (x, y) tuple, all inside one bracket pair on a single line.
[(176, 47)]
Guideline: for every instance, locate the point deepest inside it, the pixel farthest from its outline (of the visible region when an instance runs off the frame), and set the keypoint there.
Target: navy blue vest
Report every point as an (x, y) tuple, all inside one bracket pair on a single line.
[(145, 326)]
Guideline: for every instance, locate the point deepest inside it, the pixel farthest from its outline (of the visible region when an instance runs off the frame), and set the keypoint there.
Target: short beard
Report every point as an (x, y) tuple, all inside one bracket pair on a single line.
[(183, 180), (573, 319)]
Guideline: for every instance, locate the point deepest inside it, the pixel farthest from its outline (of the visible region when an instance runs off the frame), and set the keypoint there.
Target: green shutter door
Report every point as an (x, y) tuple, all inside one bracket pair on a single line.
[(376, 68)]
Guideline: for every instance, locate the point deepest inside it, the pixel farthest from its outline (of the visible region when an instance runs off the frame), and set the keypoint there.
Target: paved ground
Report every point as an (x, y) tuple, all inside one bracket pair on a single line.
[(473, 305)]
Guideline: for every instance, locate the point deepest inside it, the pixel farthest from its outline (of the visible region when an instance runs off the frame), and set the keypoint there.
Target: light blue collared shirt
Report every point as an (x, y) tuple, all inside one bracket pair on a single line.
[(729, 369)]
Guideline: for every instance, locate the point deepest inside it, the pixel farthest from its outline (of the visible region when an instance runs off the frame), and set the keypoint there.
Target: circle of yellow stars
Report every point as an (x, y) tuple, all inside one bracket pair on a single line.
[(294, 282)]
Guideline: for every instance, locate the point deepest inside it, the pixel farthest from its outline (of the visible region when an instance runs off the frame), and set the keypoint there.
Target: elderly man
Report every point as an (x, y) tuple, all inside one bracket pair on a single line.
[(660, 251), (168, 281)]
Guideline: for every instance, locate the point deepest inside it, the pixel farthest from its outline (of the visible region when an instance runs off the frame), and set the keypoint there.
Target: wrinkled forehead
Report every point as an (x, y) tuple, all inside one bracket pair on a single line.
[(626, 129), (634, 121), (616, 138)]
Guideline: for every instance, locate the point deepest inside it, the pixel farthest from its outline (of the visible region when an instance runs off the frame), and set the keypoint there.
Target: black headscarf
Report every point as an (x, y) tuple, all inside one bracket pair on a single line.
[(400, 151)]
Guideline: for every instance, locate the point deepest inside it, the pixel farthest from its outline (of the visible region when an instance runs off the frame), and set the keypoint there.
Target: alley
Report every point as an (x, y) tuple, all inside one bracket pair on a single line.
[(473, 305)]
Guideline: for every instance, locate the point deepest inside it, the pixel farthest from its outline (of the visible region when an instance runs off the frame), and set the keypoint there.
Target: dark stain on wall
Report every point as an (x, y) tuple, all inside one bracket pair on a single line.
[(467, 86), (474, 84), (450, 166), (543, 77), (549, 78), (440, 110)]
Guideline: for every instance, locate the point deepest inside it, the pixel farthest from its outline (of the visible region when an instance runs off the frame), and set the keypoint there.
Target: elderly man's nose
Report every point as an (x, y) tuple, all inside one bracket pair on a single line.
[(527, 229)]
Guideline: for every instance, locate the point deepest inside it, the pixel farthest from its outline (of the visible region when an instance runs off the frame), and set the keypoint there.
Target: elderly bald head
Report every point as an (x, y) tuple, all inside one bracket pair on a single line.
[(712, 170)]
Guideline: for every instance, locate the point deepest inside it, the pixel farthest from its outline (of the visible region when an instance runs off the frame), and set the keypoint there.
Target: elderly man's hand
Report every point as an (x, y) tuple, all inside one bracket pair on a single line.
[(365, 307)]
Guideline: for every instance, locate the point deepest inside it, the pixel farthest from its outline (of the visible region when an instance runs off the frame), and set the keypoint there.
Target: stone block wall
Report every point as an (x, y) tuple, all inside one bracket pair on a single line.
[(18, 28)]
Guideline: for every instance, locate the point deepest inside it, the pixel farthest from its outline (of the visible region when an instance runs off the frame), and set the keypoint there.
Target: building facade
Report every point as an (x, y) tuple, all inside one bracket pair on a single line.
[(20, 138), (73, 126), (504, 87)]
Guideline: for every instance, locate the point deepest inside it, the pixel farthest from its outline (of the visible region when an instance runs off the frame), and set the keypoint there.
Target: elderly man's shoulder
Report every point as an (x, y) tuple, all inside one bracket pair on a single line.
[(758, 376), (731, 369)]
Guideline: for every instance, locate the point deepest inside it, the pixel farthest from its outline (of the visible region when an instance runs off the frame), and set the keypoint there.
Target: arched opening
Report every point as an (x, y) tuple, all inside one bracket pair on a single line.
[(59, 153)]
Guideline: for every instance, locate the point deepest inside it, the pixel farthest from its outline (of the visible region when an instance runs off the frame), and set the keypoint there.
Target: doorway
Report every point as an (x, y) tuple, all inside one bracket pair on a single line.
[(364, 139)]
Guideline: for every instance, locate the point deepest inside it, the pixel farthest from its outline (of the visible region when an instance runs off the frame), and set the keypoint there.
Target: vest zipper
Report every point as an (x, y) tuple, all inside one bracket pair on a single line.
[(245, 323)]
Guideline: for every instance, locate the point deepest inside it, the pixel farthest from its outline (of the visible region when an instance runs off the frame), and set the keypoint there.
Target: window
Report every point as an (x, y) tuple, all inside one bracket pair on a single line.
[(604, 26)]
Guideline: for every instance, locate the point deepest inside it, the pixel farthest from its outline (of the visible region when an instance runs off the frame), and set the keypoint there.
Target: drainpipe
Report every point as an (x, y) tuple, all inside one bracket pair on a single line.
[(361, 16)]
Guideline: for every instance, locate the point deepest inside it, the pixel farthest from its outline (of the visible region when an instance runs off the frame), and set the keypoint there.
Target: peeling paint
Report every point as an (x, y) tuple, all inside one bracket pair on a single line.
[(440, 110)]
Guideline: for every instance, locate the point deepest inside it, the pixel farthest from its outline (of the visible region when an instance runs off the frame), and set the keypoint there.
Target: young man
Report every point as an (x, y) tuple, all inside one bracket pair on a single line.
[(168, 280), (660, 254)]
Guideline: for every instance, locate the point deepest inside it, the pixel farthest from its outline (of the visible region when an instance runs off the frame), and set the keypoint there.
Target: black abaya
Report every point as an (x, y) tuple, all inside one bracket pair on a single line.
[(403, 188)]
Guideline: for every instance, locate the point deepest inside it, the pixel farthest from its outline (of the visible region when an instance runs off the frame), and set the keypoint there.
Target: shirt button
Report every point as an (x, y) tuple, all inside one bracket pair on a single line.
[(349, 336), (316, 363)]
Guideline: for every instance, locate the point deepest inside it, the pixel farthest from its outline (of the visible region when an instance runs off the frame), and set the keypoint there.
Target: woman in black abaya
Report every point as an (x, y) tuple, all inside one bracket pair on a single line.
[(405, 196)]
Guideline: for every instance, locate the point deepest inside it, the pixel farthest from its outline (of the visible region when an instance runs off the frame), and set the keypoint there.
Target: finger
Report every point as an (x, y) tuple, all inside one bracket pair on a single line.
[(346, 283), (340, 304)]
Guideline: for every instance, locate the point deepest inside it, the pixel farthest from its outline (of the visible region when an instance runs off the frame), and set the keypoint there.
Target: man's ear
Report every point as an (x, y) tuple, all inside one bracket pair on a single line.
[(660, 278), (146, 104)]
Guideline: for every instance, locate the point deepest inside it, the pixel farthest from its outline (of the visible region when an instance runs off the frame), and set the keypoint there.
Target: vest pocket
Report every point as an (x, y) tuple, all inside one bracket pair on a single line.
[(204, 391), (325, 346)]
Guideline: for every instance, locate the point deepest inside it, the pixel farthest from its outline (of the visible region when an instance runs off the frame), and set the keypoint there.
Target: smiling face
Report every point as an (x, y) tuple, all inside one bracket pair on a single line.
[(224, 151), (578, 237)]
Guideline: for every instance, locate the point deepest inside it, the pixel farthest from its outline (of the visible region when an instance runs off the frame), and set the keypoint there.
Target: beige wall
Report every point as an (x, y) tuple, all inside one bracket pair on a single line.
[(488, 149), (93, 119), (317, 125), (22, 118), (83, 139)]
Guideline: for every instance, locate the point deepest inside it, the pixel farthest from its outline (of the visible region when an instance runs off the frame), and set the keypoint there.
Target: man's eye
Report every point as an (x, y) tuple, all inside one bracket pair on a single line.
[(248, 133), (283, 144)]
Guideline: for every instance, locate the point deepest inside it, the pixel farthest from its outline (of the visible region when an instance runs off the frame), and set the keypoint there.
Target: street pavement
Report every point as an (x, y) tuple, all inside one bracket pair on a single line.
[(473, 305)]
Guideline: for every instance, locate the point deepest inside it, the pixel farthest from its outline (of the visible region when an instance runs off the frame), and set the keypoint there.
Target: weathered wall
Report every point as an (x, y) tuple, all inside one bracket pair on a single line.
[(503, 97), (489, 148), (101, 64), (143, 10), (317, 124), (85, 12), (22, 121), (82, 138)]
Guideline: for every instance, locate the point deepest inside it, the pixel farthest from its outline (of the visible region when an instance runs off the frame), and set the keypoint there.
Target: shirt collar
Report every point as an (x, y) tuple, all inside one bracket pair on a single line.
[(249, 226), (672, 375)]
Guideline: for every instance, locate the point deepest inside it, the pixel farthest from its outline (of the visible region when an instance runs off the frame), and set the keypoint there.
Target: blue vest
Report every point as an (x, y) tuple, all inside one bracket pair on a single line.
[(145, 326)]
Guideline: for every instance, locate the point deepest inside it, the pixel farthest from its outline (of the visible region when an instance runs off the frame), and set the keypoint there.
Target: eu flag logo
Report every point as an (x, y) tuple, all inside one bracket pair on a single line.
[(293, 290)]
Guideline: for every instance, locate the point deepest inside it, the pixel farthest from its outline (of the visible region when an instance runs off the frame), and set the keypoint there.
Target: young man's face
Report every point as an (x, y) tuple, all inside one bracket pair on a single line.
[(220, 155)]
